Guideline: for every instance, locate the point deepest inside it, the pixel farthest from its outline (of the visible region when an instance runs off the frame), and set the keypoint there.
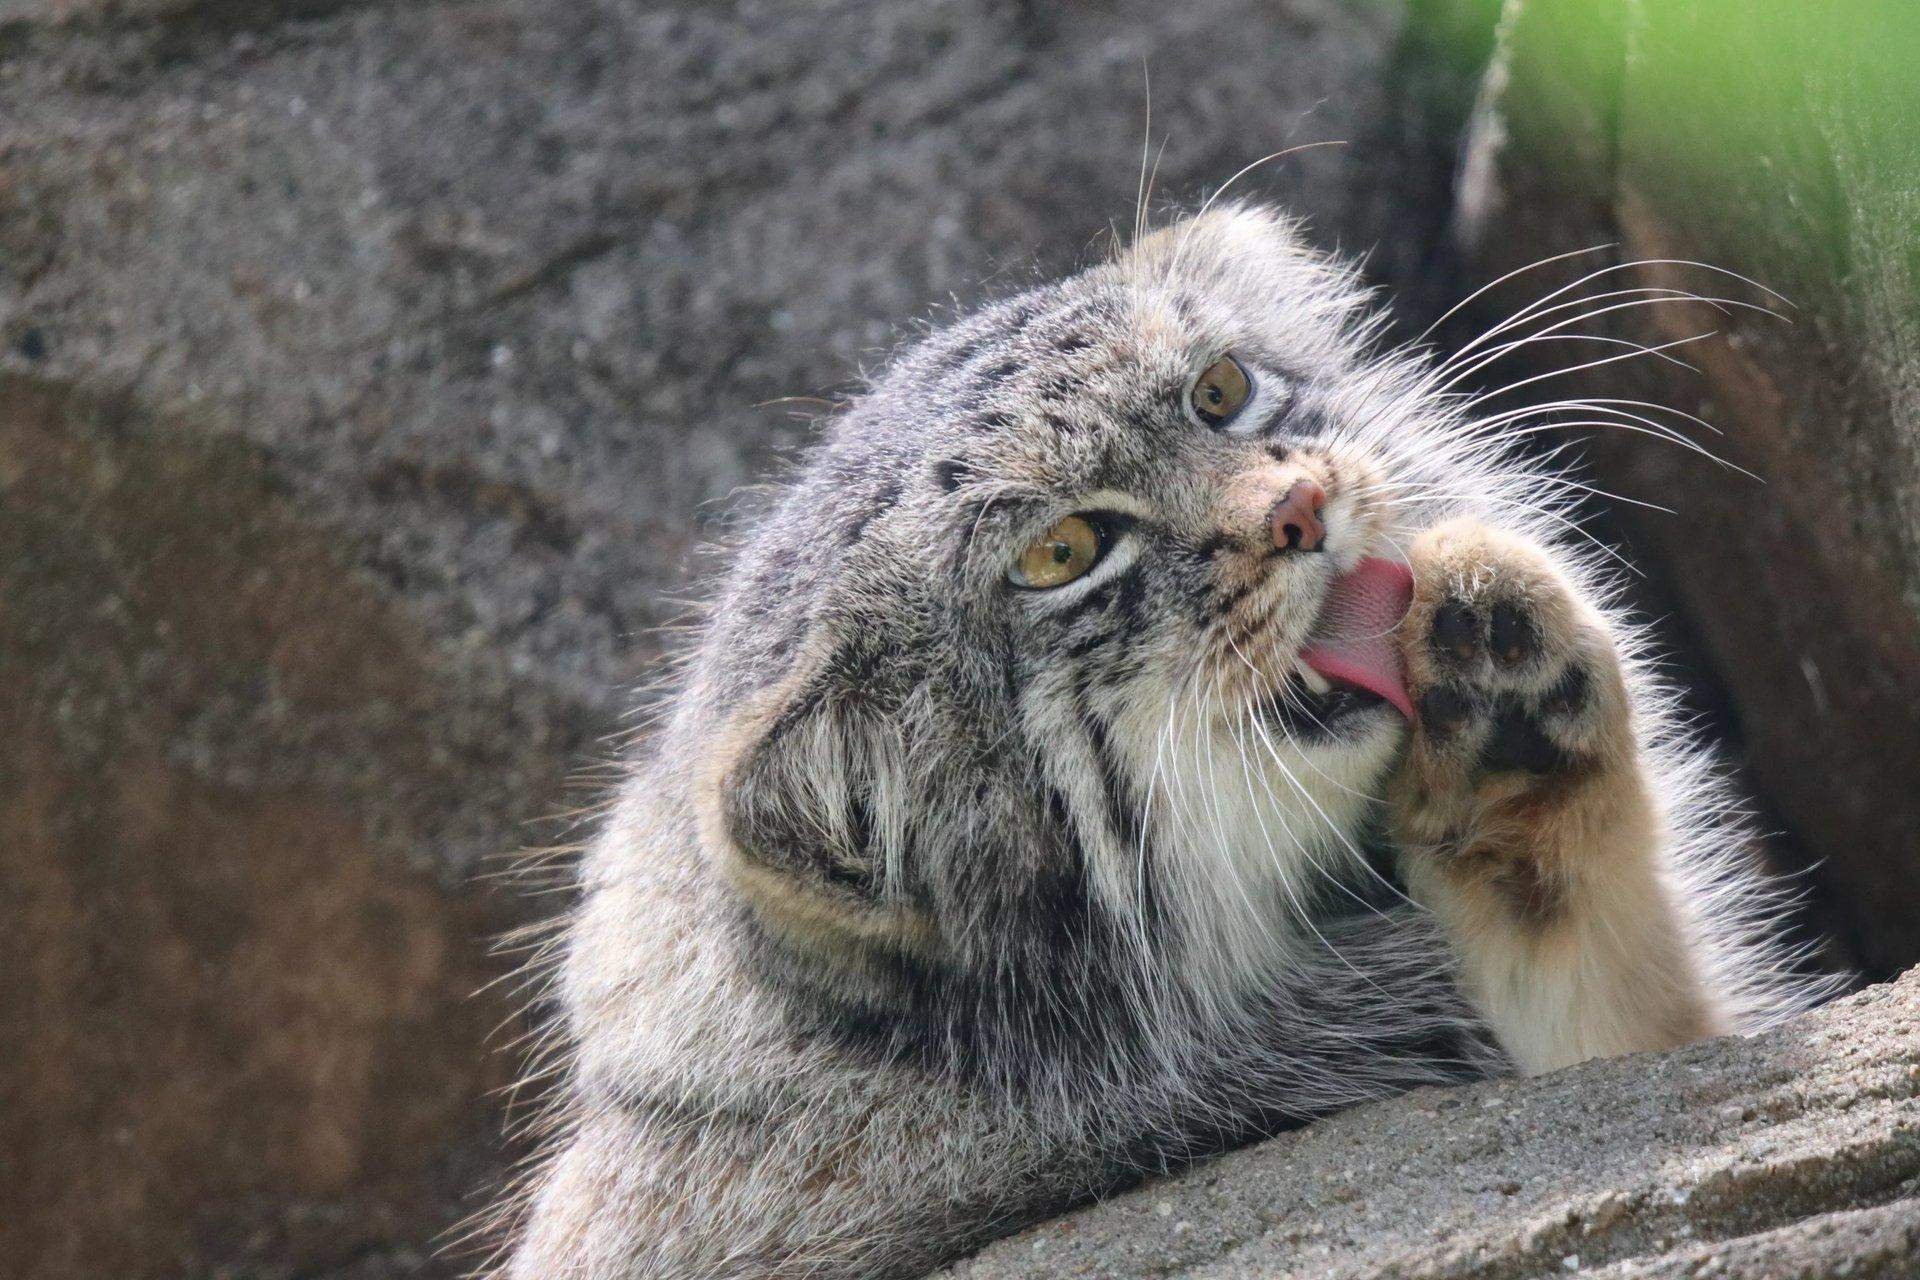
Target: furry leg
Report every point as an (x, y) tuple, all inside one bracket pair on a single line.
[(1526, 819)]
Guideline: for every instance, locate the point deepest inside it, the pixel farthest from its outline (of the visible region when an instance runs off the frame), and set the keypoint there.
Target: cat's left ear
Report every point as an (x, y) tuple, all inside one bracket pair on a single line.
[(804, 808)]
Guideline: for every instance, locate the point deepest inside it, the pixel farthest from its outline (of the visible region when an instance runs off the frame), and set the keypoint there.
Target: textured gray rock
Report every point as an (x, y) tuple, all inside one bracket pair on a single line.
[(503, 288), (1776, 141), (368, 373), (1795, 1154)]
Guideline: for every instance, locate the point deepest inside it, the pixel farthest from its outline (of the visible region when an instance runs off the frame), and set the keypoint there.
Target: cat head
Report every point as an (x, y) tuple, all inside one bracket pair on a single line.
[(1020, 667)]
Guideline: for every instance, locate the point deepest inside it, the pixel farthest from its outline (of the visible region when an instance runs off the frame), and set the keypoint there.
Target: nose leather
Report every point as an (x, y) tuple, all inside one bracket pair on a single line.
[(1295, 519)]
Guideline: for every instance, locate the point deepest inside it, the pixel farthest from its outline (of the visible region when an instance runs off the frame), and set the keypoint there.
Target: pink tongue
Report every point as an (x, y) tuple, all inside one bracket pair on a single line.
[(1353, 641)]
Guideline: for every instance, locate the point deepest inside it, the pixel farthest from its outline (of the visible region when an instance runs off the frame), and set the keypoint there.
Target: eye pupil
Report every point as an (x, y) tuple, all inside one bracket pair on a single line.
[(1062, 554), (1221, 391)]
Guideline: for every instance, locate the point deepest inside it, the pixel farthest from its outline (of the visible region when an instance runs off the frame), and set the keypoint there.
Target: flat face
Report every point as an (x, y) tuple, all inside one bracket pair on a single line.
[(1123, 535)]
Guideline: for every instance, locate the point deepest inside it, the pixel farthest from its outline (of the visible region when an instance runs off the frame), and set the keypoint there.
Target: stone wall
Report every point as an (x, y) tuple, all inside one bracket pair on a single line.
[(368, 373), (1774, 141)]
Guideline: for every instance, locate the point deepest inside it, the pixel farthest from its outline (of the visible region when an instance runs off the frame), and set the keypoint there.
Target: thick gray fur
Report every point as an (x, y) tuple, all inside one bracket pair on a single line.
[(933, 905)]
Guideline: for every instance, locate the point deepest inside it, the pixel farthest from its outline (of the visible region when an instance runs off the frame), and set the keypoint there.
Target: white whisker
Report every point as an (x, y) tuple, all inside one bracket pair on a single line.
[(1467, 301)]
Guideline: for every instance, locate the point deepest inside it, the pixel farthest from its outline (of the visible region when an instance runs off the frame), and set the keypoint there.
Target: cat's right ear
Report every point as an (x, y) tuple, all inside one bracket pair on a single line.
[(804, 810)]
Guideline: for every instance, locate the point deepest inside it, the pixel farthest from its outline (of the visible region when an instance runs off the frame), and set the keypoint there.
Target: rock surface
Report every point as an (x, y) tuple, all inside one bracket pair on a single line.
[(1775, 141), (368, 372), (1792, 1155)]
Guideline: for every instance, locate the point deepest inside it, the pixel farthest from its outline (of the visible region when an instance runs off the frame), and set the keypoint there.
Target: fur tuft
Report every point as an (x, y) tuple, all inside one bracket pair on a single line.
[(932, 903)]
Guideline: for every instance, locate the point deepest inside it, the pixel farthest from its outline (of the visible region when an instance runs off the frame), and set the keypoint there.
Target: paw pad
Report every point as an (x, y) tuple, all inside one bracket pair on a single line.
[(1519, 741), (1443, 710), (1456, 632), (1508, 692), (1520, 708), (1511, 637)]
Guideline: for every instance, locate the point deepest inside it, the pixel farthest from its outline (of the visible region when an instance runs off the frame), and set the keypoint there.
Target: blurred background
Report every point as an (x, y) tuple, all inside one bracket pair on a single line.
[(369, 370)]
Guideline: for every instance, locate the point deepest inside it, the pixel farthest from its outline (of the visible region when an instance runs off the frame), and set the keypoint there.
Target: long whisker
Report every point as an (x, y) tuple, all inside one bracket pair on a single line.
[(1669, 437), (1495, 354), (1300, 908), (1495, 283), (1457, 368), (1146, 146), (1588, 402), (1511, 387), (1179, 252), (1545, 513), (1639, 296), (1266, 742), (1533, 308), (1253, 720), (1522, 315), (1610, 416), (1418, 488)]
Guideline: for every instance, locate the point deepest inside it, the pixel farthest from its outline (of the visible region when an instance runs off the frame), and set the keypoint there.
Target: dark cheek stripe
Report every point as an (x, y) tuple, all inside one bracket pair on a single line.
[(1115, 789), (1220, 603), (1123, 599), (1093, 642), (1212, 546)]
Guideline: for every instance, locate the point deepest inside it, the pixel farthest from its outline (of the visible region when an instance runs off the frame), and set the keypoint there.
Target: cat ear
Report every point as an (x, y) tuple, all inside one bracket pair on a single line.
[(806, 812)]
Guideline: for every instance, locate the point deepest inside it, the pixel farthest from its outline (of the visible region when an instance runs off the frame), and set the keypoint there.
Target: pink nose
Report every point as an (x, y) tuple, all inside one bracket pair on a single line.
[(1296, 518)]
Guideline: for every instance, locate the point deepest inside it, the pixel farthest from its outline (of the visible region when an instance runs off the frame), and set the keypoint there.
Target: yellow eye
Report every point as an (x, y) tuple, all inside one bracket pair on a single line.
[(1068, 550), (1220, 391)]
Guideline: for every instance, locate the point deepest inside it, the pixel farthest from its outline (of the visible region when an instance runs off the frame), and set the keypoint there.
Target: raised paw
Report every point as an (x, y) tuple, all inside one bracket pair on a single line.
[(1514, 678), (1524, 815)]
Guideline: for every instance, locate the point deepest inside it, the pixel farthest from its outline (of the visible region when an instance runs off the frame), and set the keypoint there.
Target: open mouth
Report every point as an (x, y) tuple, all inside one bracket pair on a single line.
[(1309, 706), (1350, 664)]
